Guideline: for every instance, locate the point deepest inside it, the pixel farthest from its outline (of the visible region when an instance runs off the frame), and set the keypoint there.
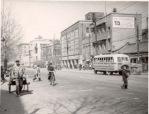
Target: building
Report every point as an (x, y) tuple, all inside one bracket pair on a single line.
[(38, 49), (114, 31), (54, 52), (87, 46), (23, 53), (71, 43)]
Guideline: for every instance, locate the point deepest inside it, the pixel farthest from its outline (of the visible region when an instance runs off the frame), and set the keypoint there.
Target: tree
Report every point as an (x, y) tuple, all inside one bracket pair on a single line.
[(11, 33)]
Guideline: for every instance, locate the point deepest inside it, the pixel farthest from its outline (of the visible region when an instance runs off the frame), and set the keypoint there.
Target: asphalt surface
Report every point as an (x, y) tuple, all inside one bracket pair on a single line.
[(78, 92)]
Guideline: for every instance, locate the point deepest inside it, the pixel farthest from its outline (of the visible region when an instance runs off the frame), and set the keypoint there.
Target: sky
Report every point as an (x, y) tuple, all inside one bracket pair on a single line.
[(50, 18)]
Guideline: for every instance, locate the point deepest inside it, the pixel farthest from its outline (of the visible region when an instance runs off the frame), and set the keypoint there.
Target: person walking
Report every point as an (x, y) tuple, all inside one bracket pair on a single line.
[(125, 77), (51, 75), (37, 74)]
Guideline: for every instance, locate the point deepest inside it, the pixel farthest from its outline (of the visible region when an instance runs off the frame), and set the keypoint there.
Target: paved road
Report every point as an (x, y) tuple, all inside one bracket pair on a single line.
[(78, 92)]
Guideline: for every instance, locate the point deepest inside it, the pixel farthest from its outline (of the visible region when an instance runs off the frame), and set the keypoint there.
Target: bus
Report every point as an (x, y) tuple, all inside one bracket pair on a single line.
[(109, 64)]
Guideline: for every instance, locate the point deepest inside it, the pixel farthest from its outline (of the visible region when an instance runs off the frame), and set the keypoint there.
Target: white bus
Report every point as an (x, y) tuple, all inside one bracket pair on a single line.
[(110, 63)]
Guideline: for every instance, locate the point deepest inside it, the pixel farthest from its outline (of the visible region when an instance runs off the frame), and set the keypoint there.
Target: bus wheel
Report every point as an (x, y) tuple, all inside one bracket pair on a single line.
[(104, 72), (95, 71)]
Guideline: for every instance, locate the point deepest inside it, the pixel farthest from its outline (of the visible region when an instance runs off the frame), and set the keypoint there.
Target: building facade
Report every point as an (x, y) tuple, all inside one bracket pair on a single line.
[(71, 43), (114, 31), (38, 49), (23, 53), (53, 52), (87, 47)]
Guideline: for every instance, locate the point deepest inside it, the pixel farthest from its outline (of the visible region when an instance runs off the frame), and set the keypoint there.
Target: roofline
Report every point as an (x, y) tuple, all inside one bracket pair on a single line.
[(76, 23)]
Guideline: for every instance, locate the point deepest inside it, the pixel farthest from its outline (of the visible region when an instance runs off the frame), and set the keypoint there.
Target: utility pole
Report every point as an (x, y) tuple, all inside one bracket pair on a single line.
[(95, 30), (138, 43)]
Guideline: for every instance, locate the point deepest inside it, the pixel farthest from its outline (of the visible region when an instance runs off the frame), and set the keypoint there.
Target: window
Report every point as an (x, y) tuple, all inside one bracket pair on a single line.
[(119, 59), (112, 59), (87, 30), (126, 58)]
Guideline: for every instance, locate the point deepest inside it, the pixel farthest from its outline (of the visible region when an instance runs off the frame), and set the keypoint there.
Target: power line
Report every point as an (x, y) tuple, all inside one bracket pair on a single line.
[(127, 6)]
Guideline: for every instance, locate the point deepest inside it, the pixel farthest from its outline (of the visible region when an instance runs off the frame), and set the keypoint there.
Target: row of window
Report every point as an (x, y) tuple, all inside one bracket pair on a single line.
[(105, 59), (110, 59), (120, 59), (71, 35)]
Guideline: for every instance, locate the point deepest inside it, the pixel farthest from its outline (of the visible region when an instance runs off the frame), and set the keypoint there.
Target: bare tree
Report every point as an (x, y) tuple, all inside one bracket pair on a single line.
[(11, 33)]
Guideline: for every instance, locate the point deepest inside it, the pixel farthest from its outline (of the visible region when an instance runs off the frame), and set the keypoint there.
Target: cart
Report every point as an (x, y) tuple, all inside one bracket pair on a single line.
[(12, 82)]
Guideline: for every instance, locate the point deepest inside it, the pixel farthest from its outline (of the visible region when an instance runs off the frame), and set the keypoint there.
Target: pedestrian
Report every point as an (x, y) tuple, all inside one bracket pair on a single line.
[(37, 74), (51, 76), (125, 77), (17, 72), (80, 66)]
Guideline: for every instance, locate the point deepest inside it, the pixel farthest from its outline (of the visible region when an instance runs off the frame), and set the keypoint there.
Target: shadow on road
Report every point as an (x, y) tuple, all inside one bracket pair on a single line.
[(97, 105), (11, 104)]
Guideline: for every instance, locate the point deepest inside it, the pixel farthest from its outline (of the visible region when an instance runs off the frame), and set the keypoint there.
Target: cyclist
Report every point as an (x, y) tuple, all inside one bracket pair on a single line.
[(51, 76), (18, 72)]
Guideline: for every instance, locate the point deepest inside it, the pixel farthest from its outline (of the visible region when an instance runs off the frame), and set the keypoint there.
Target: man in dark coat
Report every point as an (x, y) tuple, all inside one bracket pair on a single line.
[(125, 77), (51, 70)]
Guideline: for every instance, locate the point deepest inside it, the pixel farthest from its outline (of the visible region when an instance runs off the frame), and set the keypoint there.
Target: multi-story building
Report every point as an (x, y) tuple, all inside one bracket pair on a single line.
[(37, 48), (114, 31), (71, 43), (23, 53), (86, 37), (53, 52)]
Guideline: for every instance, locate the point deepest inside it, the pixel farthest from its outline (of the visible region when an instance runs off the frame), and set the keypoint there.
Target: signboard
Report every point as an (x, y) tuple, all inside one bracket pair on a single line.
[(123, 22)]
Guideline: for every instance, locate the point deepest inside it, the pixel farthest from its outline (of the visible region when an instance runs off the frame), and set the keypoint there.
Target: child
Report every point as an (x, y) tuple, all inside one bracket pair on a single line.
[(37, 74)]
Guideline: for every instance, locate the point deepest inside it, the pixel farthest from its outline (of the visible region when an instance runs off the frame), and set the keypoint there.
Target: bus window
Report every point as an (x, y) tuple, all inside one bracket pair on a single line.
[(112, 60), (118, 59), (126, 58), (122, 58), (106, 59), (98, 60)]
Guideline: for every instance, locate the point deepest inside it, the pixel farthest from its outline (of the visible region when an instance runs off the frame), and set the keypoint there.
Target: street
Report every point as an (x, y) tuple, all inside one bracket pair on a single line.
[(78, 92)]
